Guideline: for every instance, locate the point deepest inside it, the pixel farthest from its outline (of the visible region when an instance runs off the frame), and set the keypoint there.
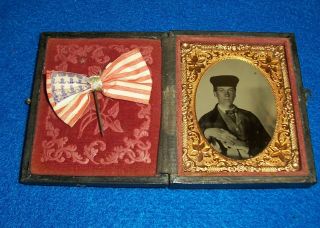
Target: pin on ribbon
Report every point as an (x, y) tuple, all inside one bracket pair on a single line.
[(127, 78)]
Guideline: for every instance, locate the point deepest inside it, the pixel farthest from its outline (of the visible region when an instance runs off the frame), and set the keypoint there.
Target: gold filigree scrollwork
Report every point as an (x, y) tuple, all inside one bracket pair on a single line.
[(197, 155)]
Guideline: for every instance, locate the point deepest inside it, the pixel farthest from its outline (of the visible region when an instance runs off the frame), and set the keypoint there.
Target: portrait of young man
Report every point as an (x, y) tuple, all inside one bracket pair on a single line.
[(234, 132)]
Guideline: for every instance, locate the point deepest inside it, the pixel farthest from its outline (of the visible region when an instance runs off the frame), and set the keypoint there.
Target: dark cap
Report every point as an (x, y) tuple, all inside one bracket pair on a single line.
[(224, 80)]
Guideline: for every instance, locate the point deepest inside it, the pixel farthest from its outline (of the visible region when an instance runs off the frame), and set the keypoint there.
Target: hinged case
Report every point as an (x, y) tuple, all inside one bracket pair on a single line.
[(183, 138)]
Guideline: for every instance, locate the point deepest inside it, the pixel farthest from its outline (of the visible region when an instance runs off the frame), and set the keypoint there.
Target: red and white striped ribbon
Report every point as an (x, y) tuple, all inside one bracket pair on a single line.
[(127, 78)]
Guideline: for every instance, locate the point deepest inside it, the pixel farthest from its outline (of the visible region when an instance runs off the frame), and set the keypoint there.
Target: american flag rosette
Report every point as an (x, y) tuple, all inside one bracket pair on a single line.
[(126, 78)]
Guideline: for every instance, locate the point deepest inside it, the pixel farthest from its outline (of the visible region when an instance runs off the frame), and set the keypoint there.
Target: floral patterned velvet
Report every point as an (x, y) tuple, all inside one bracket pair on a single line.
[(129, 146)]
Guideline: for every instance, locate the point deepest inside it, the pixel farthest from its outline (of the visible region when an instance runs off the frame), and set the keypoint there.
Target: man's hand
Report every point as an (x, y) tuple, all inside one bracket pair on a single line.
[(219, 134), (233, 145)]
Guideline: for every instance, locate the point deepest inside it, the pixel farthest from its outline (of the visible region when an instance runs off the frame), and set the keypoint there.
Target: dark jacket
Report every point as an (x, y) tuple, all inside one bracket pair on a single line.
[(255, 135)]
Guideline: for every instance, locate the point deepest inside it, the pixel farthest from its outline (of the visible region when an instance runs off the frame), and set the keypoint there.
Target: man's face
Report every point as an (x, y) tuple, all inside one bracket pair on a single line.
[(225, 95)]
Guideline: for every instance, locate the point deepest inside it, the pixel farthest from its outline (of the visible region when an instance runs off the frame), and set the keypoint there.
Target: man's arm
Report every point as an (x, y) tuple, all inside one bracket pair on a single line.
[(261, 138)]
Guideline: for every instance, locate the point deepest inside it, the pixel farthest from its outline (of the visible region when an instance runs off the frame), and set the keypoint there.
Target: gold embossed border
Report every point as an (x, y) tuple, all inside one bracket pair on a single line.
[(197, 156)]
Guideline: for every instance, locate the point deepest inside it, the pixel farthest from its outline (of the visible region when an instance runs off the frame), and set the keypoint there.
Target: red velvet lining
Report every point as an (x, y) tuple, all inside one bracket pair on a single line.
[(292, 77), (129, 146)]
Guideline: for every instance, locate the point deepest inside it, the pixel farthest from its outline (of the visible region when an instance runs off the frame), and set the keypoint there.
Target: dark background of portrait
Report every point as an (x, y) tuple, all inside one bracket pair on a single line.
[(253, 94), (25, 206)]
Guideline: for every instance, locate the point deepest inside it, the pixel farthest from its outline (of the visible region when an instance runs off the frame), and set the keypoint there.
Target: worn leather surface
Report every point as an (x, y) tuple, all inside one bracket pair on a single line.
[(21, 205)]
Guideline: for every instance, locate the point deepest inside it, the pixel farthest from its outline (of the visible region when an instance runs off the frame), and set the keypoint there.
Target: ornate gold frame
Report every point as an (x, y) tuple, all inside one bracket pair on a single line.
[(198, 156)]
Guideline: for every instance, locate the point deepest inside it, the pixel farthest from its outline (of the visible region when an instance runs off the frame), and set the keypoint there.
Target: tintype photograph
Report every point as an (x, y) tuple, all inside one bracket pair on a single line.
[(238, 112), (235, 108)]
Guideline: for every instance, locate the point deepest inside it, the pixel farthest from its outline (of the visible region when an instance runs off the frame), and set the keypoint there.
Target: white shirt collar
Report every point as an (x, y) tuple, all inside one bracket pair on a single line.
[(224, 110)]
